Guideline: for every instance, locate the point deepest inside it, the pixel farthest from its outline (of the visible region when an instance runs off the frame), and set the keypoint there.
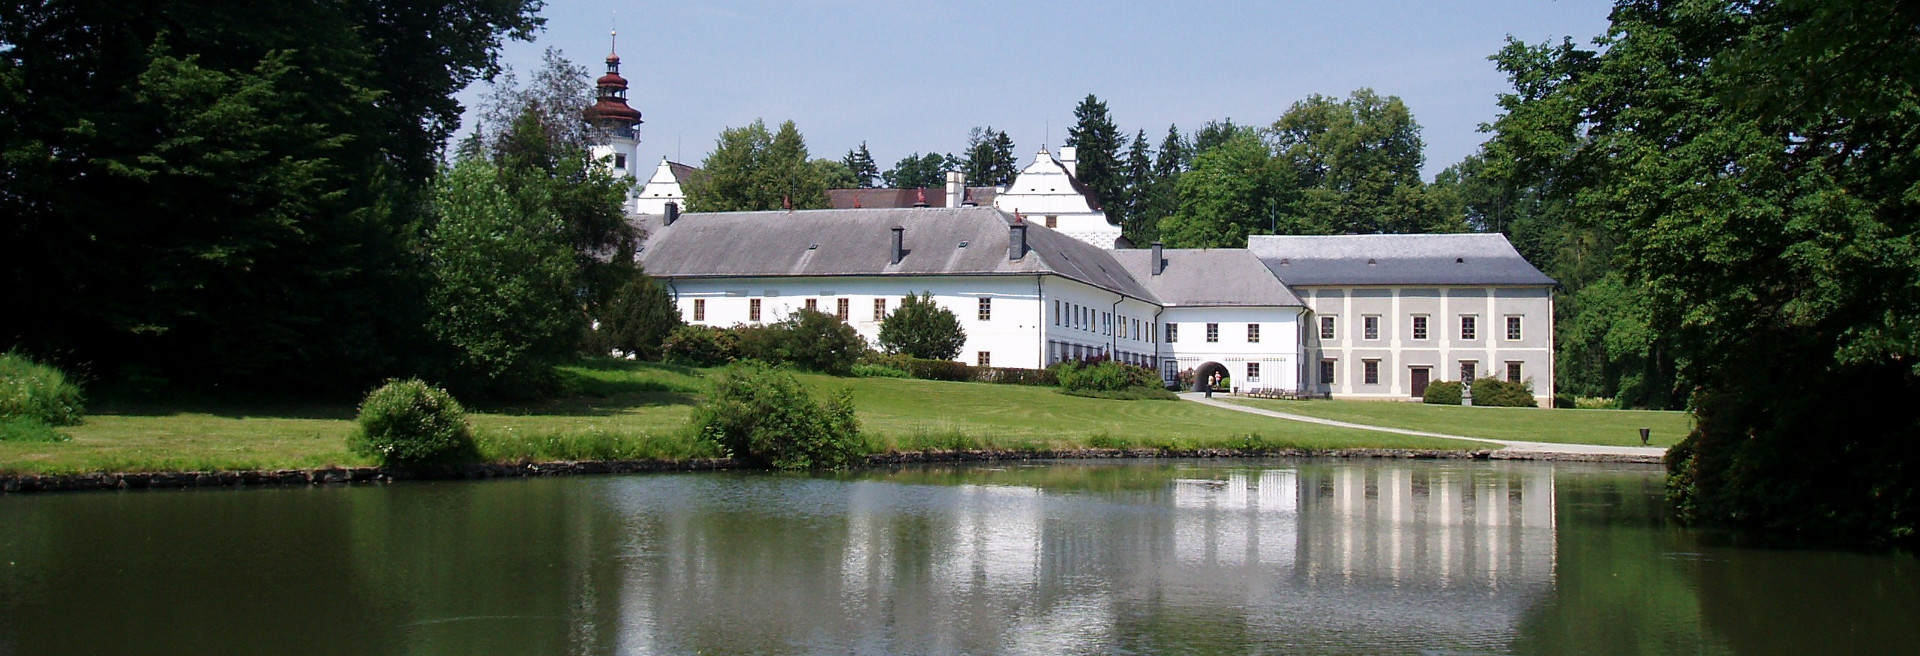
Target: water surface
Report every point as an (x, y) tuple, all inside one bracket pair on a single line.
[(1236, 556)]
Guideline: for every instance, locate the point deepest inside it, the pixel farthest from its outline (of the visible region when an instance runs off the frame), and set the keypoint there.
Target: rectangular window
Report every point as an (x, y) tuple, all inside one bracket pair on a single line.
[(986, 309), (1253, 372), (985, 359), (879, 309), (1469, 331), (1173, 333), (1253, 333), (1213, 332), (1467, 369), (1326, 372), (1056, 312), (813, 304), (1053, 221), (1513, 328), (842, 309), (1420, 327), (1370, 326), (1326, 328), (1371, 375), (699, 309), (1513, 372), (1106, 323), (753, 309)]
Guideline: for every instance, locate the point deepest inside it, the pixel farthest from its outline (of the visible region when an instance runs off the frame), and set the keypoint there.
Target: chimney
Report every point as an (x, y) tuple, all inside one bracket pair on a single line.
[(920, 197), (1069, 157), (899, 243), (1159, 264), (1017, 240), (956, 184), (673, 212)]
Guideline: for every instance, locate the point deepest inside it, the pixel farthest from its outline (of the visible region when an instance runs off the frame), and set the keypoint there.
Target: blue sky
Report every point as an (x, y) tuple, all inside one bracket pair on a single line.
[(915, 76)]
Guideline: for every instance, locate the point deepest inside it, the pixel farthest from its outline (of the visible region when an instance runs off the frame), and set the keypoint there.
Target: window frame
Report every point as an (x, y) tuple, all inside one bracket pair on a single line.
[(699, 309), (1370, 372), (1469, 327), (1514, 371), (1370, 327), (983, 358), (1419, 330), (880, 309), (1253, 372), (1514, 324), (812, 304), (843, 309), (1253, 333), (1173, 332), (753, 309), (1329, 370), (1469, 370), (1213, 333), (985, 309), (1329, 327)]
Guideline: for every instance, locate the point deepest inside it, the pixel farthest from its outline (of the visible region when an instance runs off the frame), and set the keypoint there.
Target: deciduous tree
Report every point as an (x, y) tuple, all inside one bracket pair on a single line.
[(922, 329)]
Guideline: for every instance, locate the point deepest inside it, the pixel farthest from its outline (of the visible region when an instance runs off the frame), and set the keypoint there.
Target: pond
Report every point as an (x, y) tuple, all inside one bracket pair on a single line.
[(1216, 556)]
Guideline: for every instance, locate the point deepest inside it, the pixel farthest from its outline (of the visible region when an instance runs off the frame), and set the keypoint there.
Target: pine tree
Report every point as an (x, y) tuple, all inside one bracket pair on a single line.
[(1098, 141), (989, 157), (1006, 166), (1174, 156), (860, 162), (1139, 227)]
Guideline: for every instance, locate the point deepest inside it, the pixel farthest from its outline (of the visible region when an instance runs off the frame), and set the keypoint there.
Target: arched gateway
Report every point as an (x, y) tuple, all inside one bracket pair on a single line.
[(1205, 372)]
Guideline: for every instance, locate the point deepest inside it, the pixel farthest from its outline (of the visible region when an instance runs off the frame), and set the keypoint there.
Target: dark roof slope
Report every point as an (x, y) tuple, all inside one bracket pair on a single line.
[(858, 242), (882, 198), (1455, 259), (1207, 277), (685, 173)]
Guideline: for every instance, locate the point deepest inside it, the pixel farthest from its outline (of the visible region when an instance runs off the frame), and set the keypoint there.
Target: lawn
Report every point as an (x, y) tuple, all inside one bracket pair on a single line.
[(623, 410), (1611, 427)]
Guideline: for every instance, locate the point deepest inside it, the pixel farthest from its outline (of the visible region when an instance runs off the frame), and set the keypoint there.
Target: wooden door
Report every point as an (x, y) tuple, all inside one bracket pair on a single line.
[(1420, 381)]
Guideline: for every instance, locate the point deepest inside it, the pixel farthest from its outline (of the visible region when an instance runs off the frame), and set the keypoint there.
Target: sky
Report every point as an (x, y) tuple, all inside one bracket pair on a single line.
[(913, 76)]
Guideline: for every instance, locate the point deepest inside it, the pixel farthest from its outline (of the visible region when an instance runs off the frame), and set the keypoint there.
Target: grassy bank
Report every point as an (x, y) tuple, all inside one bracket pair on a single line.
[(1610, 427), (622, 410)]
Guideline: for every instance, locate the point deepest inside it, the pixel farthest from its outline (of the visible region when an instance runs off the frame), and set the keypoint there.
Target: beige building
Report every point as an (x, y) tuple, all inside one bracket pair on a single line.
[(1388, 314)]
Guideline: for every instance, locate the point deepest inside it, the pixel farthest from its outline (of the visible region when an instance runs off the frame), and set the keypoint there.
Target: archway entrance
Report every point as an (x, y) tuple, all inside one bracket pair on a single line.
[(1205, 372)]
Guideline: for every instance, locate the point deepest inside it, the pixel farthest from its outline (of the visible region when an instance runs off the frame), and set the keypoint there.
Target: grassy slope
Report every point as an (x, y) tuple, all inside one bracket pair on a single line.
[(636, 411), (1614, 427)]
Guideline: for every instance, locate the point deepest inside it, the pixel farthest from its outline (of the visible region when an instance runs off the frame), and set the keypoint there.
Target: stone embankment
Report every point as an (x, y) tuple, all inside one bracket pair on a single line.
[(12, 483)]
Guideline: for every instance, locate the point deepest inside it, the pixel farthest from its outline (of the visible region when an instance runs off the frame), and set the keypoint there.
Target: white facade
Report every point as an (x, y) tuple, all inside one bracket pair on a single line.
[(1085, 321), (1046, 194), (662, 188), (1259, 346), (1496, 331)]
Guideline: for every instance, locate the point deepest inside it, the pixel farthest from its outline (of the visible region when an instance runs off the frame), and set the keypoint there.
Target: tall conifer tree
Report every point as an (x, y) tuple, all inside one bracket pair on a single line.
[(860, 162), (1098, 141)]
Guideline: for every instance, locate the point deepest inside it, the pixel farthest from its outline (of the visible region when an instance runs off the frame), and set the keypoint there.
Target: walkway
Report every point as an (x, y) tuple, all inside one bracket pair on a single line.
[(1512, 447)]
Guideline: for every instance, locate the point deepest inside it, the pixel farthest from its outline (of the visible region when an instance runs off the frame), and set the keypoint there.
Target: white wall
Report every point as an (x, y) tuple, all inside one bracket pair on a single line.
[(1011, 336), (1442, 352), (618, 156), (1043, 189), (1084, 321), (1277, 353), (659, 190)]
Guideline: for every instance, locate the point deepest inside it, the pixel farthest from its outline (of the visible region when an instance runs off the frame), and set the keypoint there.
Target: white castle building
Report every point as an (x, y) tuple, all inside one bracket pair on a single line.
[(1037, 274)]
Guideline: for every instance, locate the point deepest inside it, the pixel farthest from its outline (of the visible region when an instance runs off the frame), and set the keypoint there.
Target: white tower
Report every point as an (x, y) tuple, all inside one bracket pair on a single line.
[(619, 123)]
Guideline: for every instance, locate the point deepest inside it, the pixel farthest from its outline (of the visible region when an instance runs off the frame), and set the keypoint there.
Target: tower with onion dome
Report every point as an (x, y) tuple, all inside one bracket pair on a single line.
[(618, 123)]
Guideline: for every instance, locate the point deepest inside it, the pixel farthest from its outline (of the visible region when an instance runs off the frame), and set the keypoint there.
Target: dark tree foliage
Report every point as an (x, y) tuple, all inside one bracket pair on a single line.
[(990, 160), (1235, 189), (922, 329), (752, 169), (860, 162), (1358, 165), (916, 171), (224, 193), (1751, 170), (1098, 142), (1213, 133), (1141, 225), (638, 320)]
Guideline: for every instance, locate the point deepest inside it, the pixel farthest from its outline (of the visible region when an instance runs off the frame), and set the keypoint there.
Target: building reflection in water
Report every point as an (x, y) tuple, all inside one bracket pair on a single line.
[(1332, 554)]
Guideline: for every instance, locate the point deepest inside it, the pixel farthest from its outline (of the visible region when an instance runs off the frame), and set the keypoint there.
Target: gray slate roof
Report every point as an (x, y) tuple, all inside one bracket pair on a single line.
[(1207, 277), (1457, 259), (884, 197), (859, 242)]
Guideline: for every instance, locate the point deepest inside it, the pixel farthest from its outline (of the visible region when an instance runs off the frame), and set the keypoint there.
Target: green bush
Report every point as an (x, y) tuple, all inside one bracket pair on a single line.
[(701, 346), (1014, 376), (1565, 401), (1494, 392), (865, 370), (762, 415), (408, 422), (1443, 392), (940, 370), (1103, 376), (922, 329), (821, 342), (1129, 394), (30, 390), (1590, 403), (637, 320)]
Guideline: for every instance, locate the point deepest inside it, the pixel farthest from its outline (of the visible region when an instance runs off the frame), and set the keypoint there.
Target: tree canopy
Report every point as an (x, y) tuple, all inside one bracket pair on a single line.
[(1097, 141), (860, 164), (922, 329), (990, 158), (752, 169), (917, 170)]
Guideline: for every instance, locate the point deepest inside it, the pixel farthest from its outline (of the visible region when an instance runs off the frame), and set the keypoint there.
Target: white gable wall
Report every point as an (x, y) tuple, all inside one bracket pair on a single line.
[(659, 190), (1044, 189)]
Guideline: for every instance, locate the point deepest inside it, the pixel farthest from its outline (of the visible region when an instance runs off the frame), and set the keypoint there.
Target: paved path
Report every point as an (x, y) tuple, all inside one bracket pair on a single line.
[(1511, 446)]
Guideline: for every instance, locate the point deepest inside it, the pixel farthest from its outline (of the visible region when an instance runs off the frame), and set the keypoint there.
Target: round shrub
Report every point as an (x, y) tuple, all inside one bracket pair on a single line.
[(821, 342), (763, 416), (922, 329), (408, 422), (1103, 376), (1499, 393), (700, 346), (30, 390), (1442, 392)]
